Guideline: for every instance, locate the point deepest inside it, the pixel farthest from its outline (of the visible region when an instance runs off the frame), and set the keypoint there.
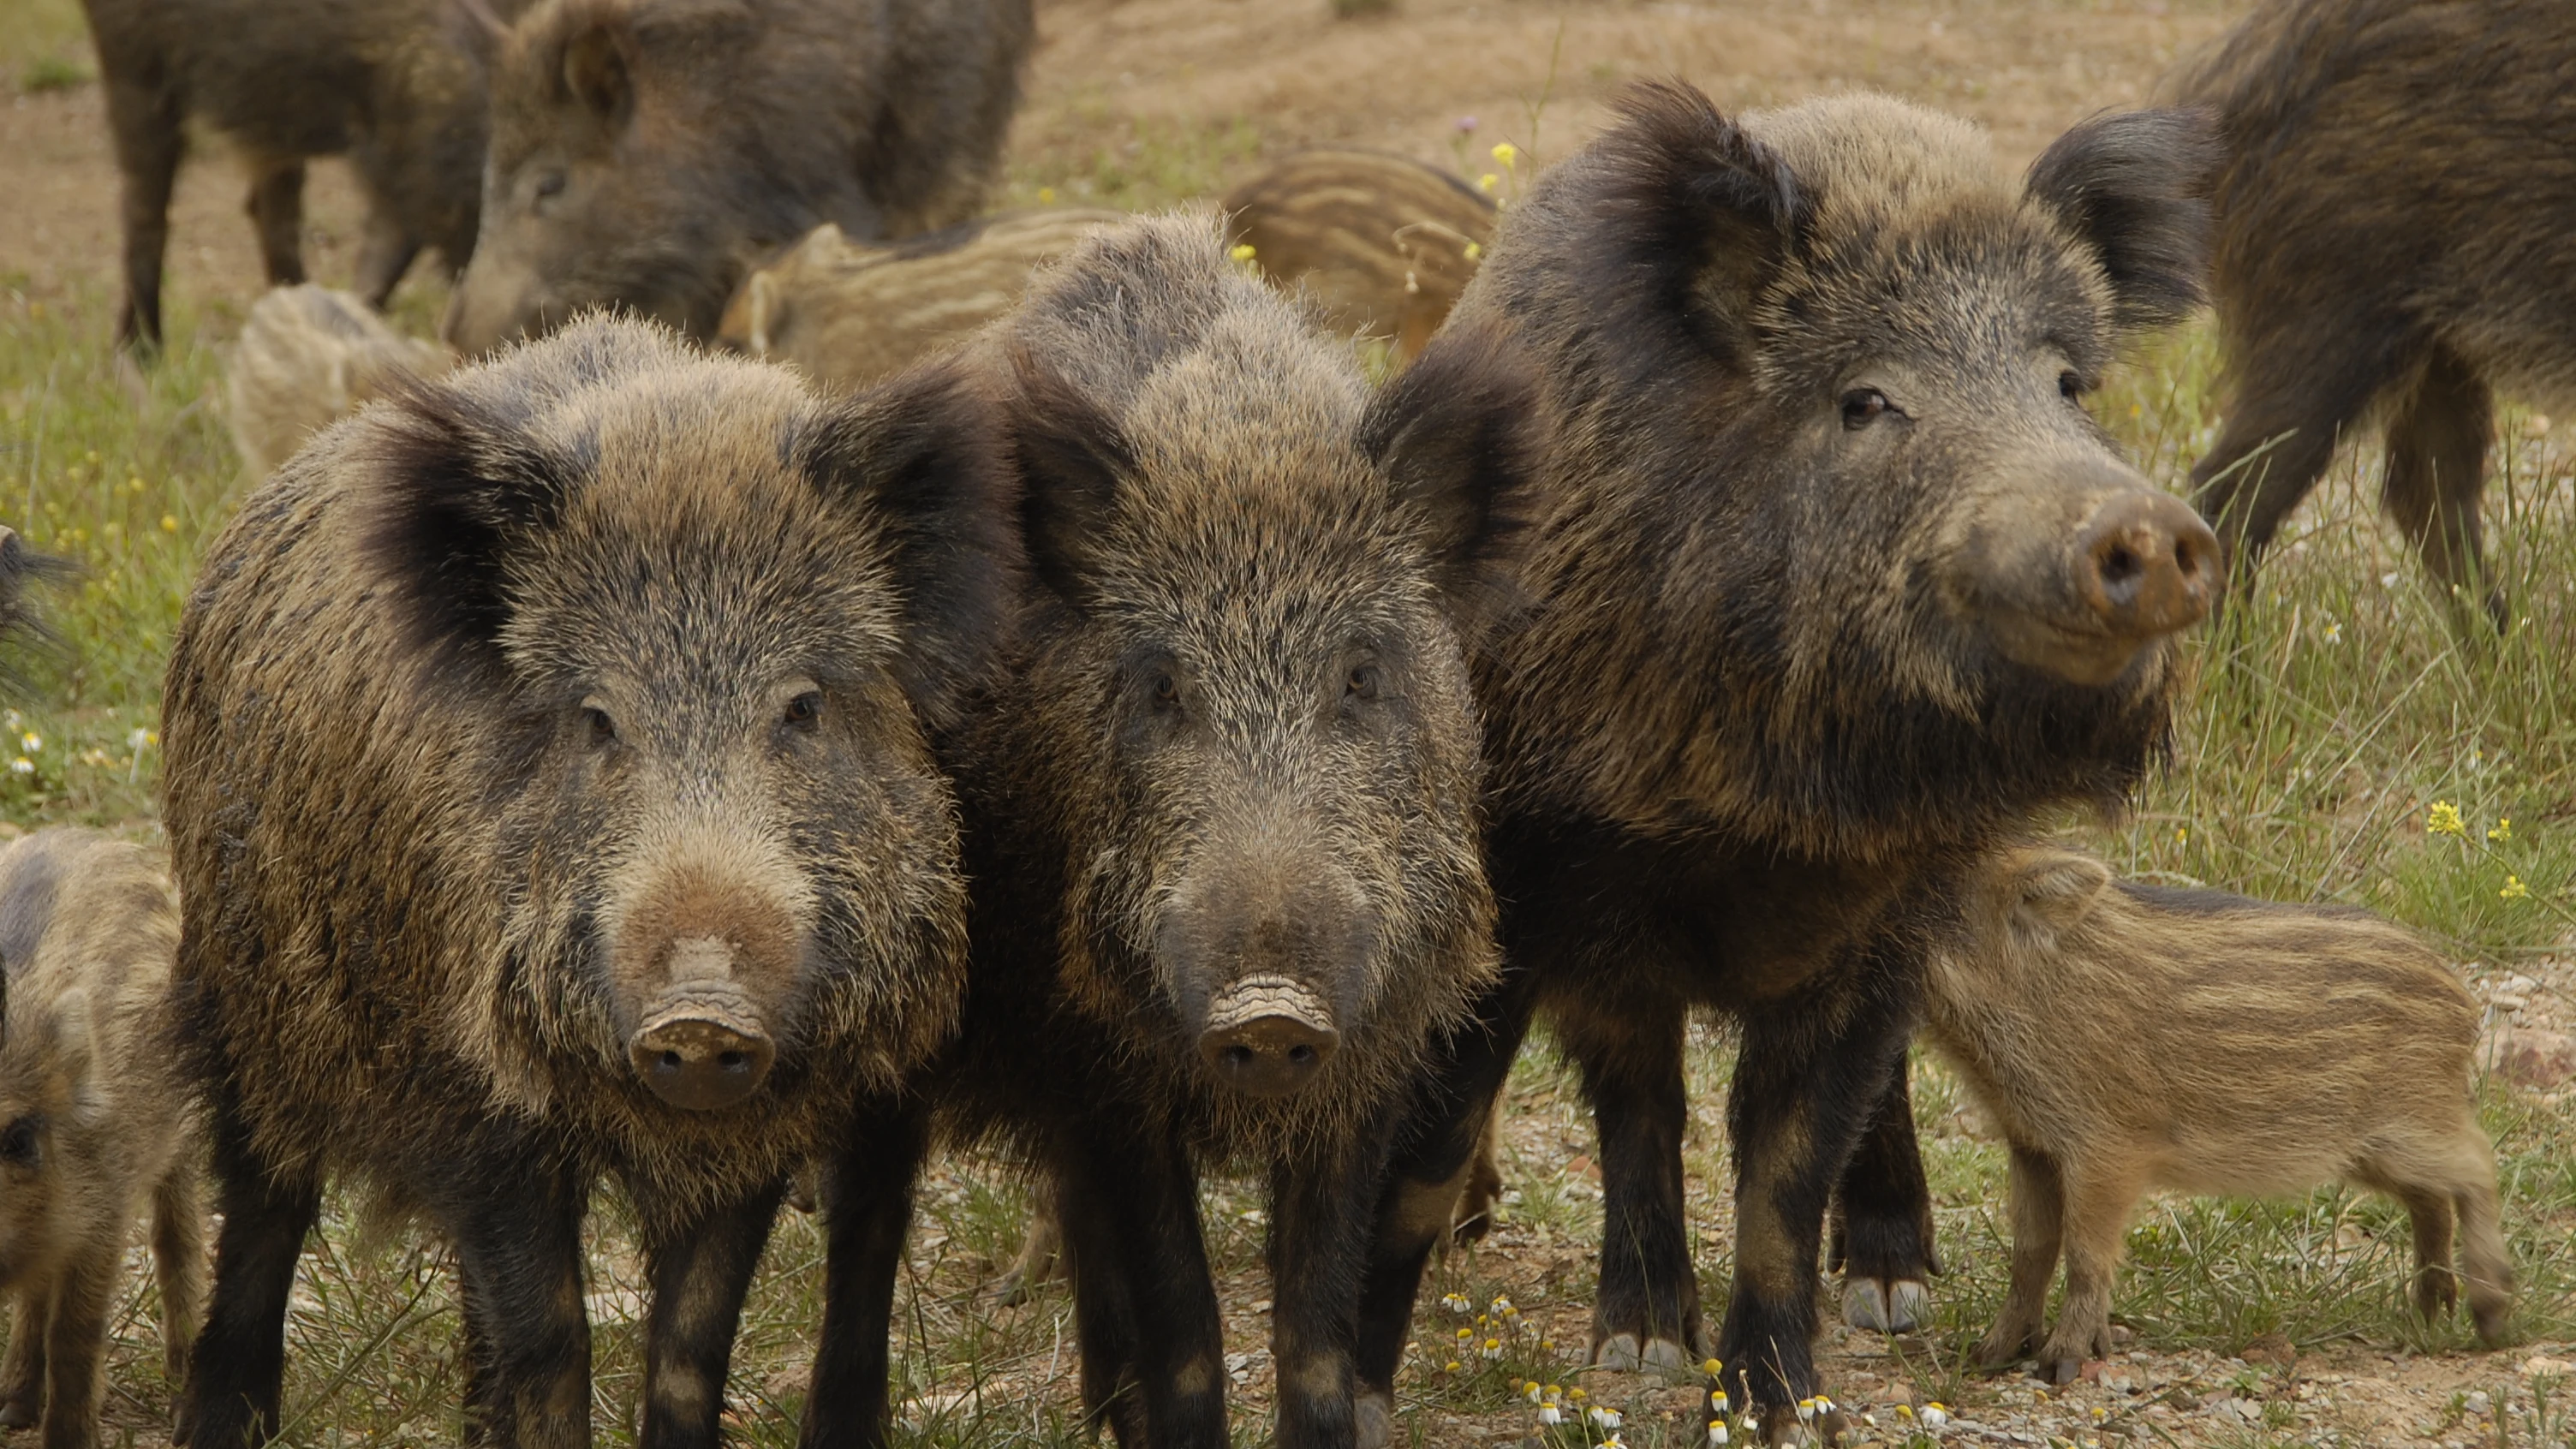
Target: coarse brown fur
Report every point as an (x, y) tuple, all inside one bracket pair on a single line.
[(2128, 1037), (26, 576), (1814, 611), (395, 85), (309, 356), (94, 1122), (2396, 244), (646, 153), (846, 313), (506, 698), (1239, 746), (1382, 243)]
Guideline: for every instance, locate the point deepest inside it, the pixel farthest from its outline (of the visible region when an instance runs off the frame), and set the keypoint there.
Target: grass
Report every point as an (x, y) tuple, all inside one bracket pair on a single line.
[(2329, 713)]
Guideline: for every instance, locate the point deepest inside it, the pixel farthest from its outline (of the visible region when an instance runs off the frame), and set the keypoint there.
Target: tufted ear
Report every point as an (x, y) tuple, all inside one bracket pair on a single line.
[(2135, 186), (1461, 433), (1070, 455), (458, 487), (1701, 211), (2055, 890), (919, 451)]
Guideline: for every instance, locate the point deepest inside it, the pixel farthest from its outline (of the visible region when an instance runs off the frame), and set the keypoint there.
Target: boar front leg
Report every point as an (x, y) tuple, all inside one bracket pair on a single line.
[(1153, 1345), (239, 1359), (22, 1373), (867, 1210), (76, 1342), (1320, 1222), (2097, 1196), (1882, 1224), (699, 1277), (1646, 1314), (2038, 1228), (527, 1333)]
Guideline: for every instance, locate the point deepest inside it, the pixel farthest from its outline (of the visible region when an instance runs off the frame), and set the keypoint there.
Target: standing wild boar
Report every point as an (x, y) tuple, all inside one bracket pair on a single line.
[(2396, 240), (549, 789), (847, 313), (309, 356), (645, 153), (93, 1122), (1383, 243), (1221, 820), (395, 85), (2128, 1037), (1834, 577)]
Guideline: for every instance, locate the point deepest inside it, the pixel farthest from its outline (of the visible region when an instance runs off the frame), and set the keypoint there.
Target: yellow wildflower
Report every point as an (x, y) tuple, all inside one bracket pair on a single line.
[(1241, 251), (1506, 152), (1488, 181), (2514, 889), (2445, 819), (2503, 830)]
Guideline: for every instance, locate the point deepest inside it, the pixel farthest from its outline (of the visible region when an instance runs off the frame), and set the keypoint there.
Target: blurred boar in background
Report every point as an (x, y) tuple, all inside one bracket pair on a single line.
[(1383, 244), (395, 85), (549, 785), (847, 313), (307, 357), (646, 153), (2128, 1037), (25, 577), (94, 1122), (2396, 242)]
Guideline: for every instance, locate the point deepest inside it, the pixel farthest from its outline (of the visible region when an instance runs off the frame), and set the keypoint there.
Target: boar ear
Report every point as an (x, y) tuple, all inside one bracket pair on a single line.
[(598, 70), (2135, 187), (1461, 433), (1070, 455), (1697, 213), (2058, 889), (919, 451), (458, 487), (67, 1026)]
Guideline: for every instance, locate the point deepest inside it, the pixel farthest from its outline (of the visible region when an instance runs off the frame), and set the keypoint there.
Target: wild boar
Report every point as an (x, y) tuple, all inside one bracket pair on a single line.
[(2127, 1037), (25, 632), (1383, 244), (2393, 225), (395, 85), (1833, 578), (309, 356), (550, 789), (645, 153), (94, 1122), (847, 313), (1221, 819)]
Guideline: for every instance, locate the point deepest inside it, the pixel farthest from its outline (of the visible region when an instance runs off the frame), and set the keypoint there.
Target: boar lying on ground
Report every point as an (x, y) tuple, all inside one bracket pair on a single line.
[(2396, 239), (1834, 579), (396, 85), (550, 793), (308, 356), (1384, 244), (848, 313), (646, 153), (93, 1122), (2128, 1037), (1221, 821)]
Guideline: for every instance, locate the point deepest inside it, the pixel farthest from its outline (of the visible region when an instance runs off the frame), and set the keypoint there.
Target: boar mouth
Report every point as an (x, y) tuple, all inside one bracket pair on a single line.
[(1268, 1036)]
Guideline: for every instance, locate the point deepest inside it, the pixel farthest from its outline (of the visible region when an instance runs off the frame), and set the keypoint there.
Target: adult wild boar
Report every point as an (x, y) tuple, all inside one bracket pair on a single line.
[(395, 85), (1833, 577), (2396, 240), (646, 153), (1221, 820), (549, 790)]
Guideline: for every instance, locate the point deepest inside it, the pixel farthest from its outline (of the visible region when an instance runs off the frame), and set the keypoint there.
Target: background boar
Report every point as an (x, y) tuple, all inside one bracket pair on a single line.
[(1383, 243), (92, 1121), (307, 357), (1834, 577), (25, 576), (396, 85), (646, 152), (848, 313), (2394, 241), (2127, 1037), (1221, 821), (547, 793)]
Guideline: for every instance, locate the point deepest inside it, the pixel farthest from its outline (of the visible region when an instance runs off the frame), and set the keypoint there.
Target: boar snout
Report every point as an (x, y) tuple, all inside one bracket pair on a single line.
[(2078, 582), (1267, 1035), (702, 1046), (2145, 566)]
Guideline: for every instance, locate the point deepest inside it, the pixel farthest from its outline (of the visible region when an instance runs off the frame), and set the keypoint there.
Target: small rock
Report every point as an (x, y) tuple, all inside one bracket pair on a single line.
[(2541, 1363), (2529, 1057), (2477, 1401), (2272, 1348)]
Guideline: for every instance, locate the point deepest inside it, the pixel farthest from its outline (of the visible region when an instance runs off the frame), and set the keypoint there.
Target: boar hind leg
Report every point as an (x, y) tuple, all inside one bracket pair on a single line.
[(22, 1373), (1319, 1238), (1646, 1314), (2098, 1197), (2433, 1181), (699, 1277), (239, 1359), (867, 1209), (144, 115), (76, 1343), (1153, 1348), (2292, 404), (2038, 1226), (1882, 1223), (2483, 1258), (1041, 1259), (276, 210), (2437, 455), (527, 1338), (178, 1263)]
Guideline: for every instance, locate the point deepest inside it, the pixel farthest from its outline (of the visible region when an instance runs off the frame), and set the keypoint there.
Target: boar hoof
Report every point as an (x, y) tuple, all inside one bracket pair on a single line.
[(1617, 1353), (701, 1060), (805, 1189), (2065, 1370), (1621, 1353), (18, 1414), (1372, 1419), (1898, 1307)]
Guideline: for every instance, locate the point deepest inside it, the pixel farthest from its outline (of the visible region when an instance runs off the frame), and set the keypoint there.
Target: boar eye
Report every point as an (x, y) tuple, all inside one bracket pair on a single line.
[(2070, 386), (602, 729), (1362, 683), (550, 184), (805, 709), (1865, 405), (1167, 690), (18, 1142)]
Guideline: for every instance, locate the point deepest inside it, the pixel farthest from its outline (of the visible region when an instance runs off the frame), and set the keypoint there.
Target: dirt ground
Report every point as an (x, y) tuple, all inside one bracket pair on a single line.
[(1443, 80)]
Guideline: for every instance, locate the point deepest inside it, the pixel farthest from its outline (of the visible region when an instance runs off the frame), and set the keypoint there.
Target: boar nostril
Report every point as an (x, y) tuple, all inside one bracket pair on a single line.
[(700, 1055), (2140, 565)]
